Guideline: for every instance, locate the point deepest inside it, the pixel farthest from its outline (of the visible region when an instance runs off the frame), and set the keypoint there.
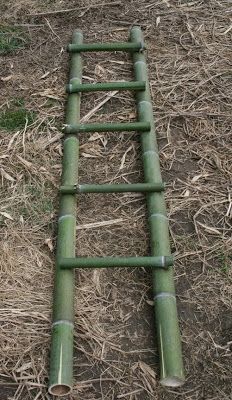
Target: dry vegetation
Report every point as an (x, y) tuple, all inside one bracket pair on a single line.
[(189, 57)]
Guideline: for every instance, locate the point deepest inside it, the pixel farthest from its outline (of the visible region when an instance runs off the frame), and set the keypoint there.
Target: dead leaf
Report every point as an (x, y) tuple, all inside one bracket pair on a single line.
[(27, 164), (48, 73), (24, 367), (99, 70), (100, 224), (124, 157), (6, 78), (96, 280), (209, 229), (6, 215), (147, 369), (49, 243), (47, 93), (196, 177), (104, 141), (44, 75), (187, 193), (95, 136), (86, 155), (90, 150), (7, 176), (12, 140), (157, 21)]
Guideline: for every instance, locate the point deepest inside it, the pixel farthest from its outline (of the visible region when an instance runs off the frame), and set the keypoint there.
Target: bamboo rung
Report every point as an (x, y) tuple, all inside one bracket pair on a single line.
[(130, 47), (112, 262), (76, 87), (108, 127), (113, 188)]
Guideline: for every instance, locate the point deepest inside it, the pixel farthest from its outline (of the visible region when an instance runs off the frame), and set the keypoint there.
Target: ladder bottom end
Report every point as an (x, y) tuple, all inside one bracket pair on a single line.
[(60, 389), (172, 381)]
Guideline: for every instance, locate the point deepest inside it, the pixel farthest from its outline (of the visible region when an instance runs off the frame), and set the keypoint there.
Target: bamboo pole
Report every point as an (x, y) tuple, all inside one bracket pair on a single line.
[(75, 86), (107, 127), (116, 262), (113, 188), (114, 46), (169, 343), (61, 359)]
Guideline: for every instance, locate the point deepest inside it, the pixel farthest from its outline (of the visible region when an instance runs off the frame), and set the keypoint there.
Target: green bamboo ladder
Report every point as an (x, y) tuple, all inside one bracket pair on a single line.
[(161, 261)]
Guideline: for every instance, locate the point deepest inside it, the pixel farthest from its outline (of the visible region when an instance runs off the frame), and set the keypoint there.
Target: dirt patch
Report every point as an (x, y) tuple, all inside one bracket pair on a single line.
[(189, 68)]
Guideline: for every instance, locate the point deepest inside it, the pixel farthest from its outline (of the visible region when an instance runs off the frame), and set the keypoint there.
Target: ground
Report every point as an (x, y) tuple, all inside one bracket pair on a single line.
[(189, 59)]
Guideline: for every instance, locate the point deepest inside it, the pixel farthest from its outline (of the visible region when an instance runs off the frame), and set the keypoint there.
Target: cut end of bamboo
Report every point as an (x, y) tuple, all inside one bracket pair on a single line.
[(60, 390), (172, 381)]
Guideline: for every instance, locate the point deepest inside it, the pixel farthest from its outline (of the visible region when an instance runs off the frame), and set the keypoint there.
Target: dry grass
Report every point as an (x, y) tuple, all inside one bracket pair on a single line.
[(189, 57)]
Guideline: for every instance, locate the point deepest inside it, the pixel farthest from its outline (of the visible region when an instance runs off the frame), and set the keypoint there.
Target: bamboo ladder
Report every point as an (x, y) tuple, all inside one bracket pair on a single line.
[(169, 344)]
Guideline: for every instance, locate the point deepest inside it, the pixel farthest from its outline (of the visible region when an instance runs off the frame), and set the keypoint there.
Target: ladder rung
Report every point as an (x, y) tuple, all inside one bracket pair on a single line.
[(108, 127), (96, 87), (110, 262), (113, 188), (130, 47)]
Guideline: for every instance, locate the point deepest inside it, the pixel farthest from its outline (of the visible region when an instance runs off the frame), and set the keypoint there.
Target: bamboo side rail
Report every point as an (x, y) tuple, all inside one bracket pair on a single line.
[(167, 329), (61, 358)]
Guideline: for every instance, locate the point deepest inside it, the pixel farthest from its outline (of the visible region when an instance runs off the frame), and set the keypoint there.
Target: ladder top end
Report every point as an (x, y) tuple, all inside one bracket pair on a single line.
[(136, 28), (136, 34)]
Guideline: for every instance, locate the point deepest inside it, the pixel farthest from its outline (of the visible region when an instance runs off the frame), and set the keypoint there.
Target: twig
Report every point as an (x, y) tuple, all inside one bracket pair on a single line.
[(100, 224), (99, 105), (114, 3)]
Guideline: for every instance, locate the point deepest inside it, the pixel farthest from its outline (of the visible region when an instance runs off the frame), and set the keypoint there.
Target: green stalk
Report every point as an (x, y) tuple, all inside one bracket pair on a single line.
[(112, 262), (113, 188), (130, 47), (74, 86), (169, 343), (61, 359), (107, 127)]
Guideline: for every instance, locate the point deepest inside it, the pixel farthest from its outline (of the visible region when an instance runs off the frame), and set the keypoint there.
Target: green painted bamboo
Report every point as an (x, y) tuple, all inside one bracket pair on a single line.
[(112, 262), (113, 188), (130, 47), (169, 343), (61, 359), (107, 127), (74, 86)]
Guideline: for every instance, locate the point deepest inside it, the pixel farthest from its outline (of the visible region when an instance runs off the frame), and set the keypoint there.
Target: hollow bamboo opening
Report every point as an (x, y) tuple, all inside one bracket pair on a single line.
[(60, 390)]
